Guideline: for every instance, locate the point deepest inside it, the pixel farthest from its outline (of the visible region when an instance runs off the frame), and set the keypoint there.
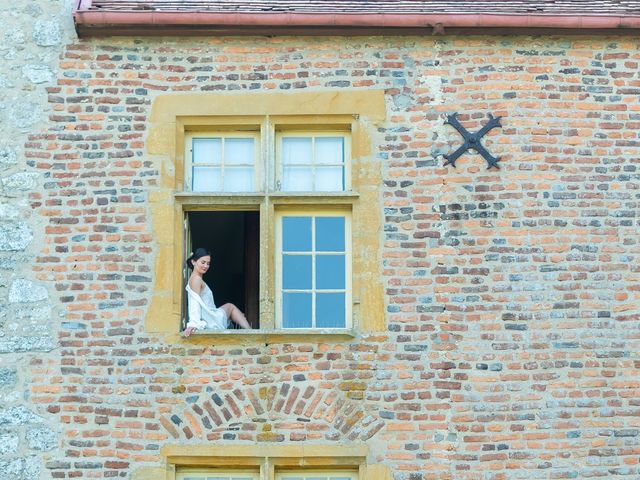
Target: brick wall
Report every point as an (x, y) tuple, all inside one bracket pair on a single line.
[(512, 295)]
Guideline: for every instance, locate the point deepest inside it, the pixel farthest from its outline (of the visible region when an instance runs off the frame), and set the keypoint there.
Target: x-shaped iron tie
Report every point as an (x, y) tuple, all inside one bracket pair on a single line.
[(472, 140)]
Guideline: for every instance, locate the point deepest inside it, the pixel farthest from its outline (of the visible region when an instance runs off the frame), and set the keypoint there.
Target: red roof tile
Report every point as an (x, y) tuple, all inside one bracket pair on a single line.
[(361, 17), (521, 7)]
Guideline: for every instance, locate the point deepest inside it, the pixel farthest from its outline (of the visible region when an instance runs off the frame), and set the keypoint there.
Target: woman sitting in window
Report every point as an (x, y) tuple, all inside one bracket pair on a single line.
[(203, 313)]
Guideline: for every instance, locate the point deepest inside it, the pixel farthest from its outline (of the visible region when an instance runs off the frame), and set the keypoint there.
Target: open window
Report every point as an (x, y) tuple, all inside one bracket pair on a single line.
[(273, 203), (233, 239)]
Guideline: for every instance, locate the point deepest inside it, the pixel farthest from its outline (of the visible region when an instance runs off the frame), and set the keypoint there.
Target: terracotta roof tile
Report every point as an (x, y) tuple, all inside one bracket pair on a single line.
[(510, 7)]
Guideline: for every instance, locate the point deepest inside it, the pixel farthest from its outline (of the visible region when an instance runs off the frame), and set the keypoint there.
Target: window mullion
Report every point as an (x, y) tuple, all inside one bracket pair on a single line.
[(267, 469), (313, 272), (268, 285), (222, 146), (314, 162)]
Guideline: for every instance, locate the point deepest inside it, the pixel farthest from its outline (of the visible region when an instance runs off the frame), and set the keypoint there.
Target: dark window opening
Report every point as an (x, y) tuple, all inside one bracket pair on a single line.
[(233, 239)]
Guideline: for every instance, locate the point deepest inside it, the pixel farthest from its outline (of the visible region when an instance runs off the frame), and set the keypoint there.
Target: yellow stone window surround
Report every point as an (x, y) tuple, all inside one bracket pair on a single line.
[(265, 460), (174, 116)]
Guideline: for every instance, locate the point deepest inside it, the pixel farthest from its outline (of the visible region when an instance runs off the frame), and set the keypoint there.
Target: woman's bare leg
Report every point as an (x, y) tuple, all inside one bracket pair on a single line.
[(236, 315)]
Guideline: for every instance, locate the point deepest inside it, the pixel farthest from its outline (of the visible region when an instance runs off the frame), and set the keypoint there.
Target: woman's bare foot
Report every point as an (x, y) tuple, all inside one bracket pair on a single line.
[(188, 331)]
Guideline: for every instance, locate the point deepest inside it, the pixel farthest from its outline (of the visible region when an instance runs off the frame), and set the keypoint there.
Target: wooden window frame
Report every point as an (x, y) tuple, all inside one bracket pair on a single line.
[(269, 201), (320, 132), (314, 212), (223, 133)]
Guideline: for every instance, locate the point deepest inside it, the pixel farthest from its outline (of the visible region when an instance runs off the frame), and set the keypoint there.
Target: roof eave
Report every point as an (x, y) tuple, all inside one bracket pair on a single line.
[(104, 23)]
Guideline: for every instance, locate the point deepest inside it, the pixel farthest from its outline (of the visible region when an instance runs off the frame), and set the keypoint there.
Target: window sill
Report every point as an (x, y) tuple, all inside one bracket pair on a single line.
[(316, 335)]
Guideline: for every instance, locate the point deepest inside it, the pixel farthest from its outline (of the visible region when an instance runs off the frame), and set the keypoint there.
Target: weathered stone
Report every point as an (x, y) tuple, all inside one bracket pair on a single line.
[(9, 212), (8, 156), (41, 438), (31, 468), (15, 236), (9, 443), (47, 33), (15, 36), (25, 114), (19, 415), (5, 82), (8, 377), (12, 469), (402, 101), (37, 315), (25, 291), (20, 469), (33, 9), (9, 261), (26, 344), (37, 73), (19, 182)]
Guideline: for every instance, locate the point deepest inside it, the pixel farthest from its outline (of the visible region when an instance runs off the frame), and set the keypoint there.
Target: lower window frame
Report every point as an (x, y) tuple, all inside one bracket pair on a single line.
[(266, 461)]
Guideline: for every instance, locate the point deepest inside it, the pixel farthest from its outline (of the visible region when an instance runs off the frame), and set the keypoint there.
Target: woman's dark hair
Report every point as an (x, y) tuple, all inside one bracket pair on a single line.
[(197, 253)]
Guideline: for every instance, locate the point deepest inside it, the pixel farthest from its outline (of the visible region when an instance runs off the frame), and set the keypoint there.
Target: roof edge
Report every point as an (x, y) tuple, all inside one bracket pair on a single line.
[(90, 22)]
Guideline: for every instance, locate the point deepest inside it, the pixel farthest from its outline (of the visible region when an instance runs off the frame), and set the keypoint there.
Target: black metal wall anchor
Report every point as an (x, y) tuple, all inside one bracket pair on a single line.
[(472, 141)]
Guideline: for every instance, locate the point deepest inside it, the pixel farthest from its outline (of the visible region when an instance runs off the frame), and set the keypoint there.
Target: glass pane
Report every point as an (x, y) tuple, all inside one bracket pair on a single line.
[(296, 272), (297, 179), (206, 179), (207, 150), (238, 179), (330, 272), (296, 150), (296, 234), (296, 310), (330, 310), (329, 179), (330, 234), (238, 151), (329, 150)]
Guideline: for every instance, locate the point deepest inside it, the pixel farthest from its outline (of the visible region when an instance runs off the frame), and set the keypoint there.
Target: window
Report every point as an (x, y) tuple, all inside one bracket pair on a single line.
[(313, 270), (250, 198), (212, 474), (221, 163), (312, 163), (228, 179), (316, 475)]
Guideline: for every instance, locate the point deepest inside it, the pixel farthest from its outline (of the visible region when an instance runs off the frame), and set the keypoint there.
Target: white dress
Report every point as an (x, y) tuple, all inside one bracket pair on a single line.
[(203, 313)]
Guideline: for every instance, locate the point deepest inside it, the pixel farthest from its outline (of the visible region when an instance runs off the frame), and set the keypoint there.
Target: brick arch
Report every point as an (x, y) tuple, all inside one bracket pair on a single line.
[(273, 414)]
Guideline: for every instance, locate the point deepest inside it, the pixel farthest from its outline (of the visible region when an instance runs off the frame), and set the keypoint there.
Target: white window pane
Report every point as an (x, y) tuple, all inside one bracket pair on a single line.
[(238, 179), (296, 310), (206, 179), (239, 151), (207, 150), (296, 150), (330, 272), (297, 179), (329, 150), (329, 179)]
